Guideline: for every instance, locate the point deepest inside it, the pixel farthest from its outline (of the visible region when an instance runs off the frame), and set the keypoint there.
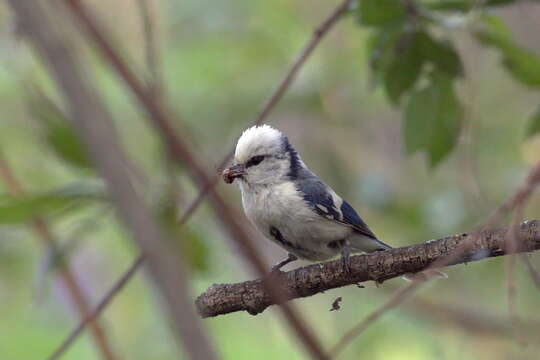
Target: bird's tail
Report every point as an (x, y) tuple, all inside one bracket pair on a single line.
[(383, 245), (377, 245), (361, 243)]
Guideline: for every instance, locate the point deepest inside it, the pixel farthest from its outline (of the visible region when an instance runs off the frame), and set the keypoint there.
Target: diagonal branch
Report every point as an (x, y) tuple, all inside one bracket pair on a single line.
[(151, 48), (251, 296), (318, 34), (91, 317), (531, 269)]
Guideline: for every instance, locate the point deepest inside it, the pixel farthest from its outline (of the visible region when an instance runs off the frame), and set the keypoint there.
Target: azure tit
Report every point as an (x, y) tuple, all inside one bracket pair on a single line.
[(291, 205)]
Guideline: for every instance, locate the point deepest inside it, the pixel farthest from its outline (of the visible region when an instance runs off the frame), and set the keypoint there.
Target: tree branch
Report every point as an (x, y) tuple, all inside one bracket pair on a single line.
[(252, 297)]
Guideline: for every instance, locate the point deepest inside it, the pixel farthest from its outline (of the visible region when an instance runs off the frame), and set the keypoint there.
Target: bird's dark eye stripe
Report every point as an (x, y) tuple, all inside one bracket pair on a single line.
[(256, 160)]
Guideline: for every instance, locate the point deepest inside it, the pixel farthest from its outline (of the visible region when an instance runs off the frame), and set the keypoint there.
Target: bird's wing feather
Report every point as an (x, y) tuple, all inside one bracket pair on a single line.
[(326, 203), (351, 217)]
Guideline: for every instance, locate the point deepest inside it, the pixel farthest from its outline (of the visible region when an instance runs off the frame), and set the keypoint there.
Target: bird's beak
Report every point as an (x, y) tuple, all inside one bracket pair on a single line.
[(233, 172)]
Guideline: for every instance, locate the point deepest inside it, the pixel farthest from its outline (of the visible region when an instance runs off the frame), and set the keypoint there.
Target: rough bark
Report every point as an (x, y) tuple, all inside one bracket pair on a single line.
[(252, 297)]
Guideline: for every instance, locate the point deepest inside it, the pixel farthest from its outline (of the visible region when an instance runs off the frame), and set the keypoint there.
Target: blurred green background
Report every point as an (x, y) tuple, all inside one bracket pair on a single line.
[(219, 63)]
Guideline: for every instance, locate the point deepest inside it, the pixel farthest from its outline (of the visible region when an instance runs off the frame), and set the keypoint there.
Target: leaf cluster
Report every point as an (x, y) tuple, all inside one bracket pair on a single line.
[(416, 63)]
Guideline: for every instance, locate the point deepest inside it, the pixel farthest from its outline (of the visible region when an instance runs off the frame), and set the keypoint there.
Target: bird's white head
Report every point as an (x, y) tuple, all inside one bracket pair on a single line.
[(263, 156)]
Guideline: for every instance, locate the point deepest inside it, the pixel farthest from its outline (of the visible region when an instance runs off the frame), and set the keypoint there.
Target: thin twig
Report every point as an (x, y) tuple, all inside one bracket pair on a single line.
[(518, 202), (43, 232), (155, 83), (522, 193), (513, 243), (151, 48), (318, 34), (532, 271), (92, 317), (511, 294), (512, 239), (468, 169)]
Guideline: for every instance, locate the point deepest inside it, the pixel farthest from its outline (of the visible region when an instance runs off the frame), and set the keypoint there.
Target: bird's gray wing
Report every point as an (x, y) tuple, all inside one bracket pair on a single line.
[(325, 202), (351, 217)]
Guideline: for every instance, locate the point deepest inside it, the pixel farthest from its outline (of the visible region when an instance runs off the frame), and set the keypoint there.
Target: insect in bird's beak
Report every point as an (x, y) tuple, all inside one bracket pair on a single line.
[(233, 172)]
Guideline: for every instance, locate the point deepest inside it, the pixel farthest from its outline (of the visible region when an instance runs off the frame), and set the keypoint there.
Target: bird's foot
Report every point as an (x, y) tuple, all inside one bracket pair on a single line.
[(345, 255), (276, 269)]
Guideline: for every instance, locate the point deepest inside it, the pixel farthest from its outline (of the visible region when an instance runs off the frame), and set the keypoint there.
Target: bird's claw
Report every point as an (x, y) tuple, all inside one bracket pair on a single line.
[(346, 265), (345, 253), (276, 269)]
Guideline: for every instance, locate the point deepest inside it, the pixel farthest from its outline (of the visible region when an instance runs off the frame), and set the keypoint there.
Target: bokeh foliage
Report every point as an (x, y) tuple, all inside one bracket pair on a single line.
[(395, 78)]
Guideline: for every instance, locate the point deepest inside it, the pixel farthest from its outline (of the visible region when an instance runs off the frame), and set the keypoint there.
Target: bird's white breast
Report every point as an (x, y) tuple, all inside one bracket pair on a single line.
[(282, 206)]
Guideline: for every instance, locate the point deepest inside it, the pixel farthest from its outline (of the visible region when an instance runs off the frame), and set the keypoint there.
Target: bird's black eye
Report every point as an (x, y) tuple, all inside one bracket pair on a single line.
[(256, 160)]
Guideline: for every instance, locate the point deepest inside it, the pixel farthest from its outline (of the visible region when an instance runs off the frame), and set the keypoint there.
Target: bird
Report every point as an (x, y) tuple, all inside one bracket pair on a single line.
[(292, 206)]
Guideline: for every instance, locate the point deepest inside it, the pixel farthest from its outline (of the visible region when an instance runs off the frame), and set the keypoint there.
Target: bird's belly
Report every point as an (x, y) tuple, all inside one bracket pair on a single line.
[(317, 237), (295, 227)]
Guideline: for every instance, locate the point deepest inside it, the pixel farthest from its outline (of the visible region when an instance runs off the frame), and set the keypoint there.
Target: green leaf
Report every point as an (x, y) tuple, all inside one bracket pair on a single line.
[(495, 28), (433, 118), (405, 59), (441, 54), (524, 66), (381, 12), (21, 209), (195, 249), (381, 47), (522, 63), (405, 67), (59, 134), (533, 126), (62, 139)]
